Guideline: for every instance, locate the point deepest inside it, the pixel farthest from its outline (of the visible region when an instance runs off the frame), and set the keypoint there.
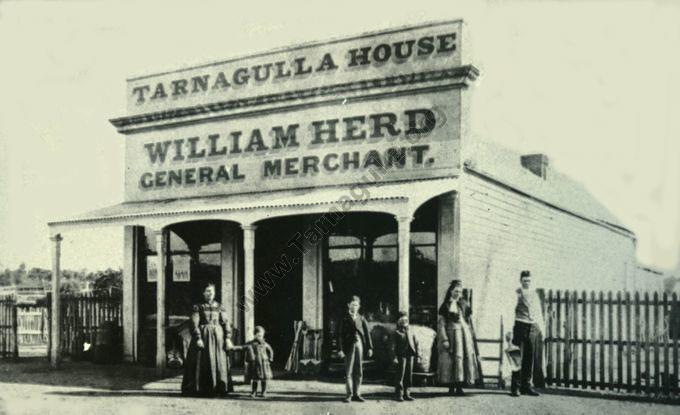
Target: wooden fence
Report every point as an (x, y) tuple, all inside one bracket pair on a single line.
[(627, 342), (9, 346), (82, 316), (33, 325)]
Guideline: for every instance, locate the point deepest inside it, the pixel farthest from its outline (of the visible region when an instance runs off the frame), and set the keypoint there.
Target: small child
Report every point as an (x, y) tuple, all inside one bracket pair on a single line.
[(405, 351), (259, 355)]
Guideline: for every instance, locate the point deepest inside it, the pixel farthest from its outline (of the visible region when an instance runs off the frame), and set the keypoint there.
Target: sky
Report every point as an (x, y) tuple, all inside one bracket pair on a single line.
[(594, 85)]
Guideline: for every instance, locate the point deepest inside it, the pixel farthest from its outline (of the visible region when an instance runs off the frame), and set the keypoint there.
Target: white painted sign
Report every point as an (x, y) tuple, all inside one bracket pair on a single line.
[(365, 58), (400, 138), (151, 269), (181, 268)]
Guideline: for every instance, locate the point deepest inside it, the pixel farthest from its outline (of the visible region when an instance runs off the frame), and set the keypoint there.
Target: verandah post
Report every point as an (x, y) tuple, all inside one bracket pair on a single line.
[(55, 342), (404, 234)]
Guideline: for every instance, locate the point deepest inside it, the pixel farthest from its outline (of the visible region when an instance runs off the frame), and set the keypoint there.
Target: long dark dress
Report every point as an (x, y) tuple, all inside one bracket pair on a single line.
[(206, 370)]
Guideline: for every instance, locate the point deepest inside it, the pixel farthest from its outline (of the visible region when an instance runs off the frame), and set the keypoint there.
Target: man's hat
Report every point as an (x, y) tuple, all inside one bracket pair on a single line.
[(525, 273)]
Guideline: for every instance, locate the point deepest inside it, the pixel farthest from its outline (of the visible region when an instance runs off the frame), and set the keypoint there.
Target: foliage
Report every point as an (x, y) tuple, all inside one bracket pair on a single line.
[(108, 281)]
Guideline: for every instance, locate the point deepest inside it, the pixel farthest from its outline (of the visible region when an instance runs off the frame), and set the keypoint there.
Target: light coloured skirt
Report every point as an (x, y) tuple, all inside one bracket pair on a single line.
[(457, 363)]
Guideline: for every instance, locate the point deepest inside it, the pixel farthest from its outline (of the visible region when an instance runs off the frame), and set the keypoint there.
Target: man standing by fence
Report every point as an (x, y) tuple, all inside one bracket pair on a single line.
[(528, 335)]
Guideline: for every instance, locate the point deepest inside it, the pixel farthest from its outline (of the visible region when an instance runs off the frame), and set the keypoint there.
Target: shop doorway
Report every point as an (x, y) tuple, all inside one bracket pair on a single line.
[(193, 260), (279, 301)]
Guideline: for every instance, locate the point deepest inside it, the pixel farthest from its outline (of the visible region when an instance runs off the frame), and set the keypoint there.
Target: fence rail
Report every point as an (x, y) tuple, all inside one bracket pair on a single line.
[(618, 341)]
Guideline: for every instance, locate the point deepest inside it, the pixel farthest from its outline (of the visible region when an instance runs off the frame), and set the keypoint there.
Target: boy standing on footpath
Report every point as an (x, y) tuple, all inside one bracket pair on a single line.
[(354, 337), (405, 351)]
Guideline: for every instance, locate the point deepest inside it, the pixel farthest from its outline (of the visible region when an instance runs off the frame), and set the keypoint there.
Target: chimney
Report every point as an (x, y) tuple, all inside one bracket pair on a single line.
[(536, 163)]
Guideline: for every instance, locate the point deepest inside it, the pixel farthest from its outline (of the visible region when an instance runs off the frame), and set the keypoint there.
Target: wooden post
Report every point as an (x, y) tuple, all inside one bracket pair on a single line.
[(610, 337), (584, 338), (549, 343), (576, 339), (593, 344), (161, 359), (558, 339), (676, 344), (55, 352), (629, 348), (568, 311), (638, 341), (648, 369), (602, 356), (619, 337), (404, 233), (666, 338), (249, 280), (656, 337)]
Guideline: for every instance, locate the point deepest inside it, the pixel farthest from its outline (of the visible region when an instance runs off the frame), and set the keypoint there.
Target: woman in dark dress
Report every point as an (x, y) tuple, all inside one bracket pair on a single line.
[(206, 370), (457, 363)]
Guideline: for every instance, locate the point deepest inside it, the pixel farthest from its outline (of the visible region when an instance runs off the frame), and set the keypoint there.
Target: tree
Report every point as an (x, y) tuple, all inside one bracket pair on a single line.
[(109, 281)]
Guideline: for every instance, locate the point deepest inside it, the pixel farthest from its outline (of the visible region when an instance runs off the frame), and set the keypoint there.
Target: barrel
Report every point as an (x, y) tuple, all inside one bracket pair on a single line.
[(107, 344)]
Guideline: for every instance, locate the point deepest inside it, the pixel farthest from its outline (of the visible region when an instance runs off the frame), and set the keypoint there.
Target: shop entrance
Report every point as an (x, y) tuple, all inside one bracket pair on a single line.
[(278, 283), (361, 257)]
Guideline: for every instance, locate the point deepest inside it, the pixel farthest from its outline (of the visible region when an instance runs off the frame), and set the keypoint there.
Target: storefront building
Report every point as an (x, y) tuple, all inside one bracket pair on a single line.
[(295, 178)]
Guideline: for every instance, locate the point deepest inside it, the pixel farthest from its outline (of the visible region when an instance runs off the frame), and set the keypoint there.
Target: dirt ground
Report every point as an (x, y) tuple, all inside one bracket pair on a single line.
[(31, 387)]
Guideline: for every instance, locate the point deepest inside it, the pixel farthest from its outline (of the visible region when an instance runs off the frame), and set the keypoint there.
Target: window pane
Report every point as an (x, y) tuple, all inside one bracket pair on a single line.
[(418, 238), (344, 254), (149, 241), (385, 254), (210, 259), (177, 243), (389, 239), (338, 240), (211, 247)]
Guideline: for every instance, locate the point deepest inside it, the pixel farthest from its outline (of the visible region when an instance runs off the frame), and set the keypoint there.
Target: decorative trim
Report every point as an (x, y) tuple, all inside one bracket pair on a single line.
[(462, 74), (208, 211)]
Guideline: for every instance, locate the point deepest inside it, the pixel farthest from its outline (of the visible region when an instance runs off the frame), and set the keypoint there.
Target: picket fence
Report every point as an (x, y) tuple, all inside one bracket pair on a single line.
[(619, 341)]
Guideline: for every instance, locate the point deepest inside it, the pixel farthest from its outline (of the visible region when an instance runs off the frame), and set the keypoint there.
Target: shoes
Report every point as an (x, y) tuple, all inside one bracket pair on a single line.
[(514, 393), (263, 395), (459, 392), (408, 397), (529, 392), (347, 399), (399, 398), (253, 395), (358, 398)]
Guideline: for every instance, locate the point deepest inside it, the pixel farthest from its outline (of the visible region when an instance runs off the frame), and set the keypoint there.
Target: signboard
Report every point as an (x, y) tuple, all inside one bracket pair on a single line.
[(371, 56), (151, 269), (181, 268), (396, 138)]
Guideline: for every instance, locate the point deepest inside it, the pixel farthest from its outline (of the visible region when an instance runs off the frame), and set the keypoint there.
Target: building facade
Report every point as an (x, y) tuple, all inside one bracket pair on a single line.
[(295, 178)]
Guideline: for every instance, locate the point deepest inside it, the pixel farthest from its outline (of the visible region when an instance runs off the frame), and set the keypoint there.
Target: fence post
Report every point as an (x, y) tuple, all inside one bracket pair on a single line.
[(629, 349), (575, 344), (666, 378), (656, 337), (619, 346), (593, 341), (638, 343), (549, 339), (676, 345), (558, 340), (15, 329), (647, 346), (584, 338)]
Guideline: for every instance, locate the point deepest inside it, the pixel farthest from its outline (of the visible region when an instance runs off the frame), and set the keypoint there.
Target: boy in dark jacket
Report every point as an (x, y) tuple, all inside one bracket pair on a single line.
[(354, 338), (405, 351)]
